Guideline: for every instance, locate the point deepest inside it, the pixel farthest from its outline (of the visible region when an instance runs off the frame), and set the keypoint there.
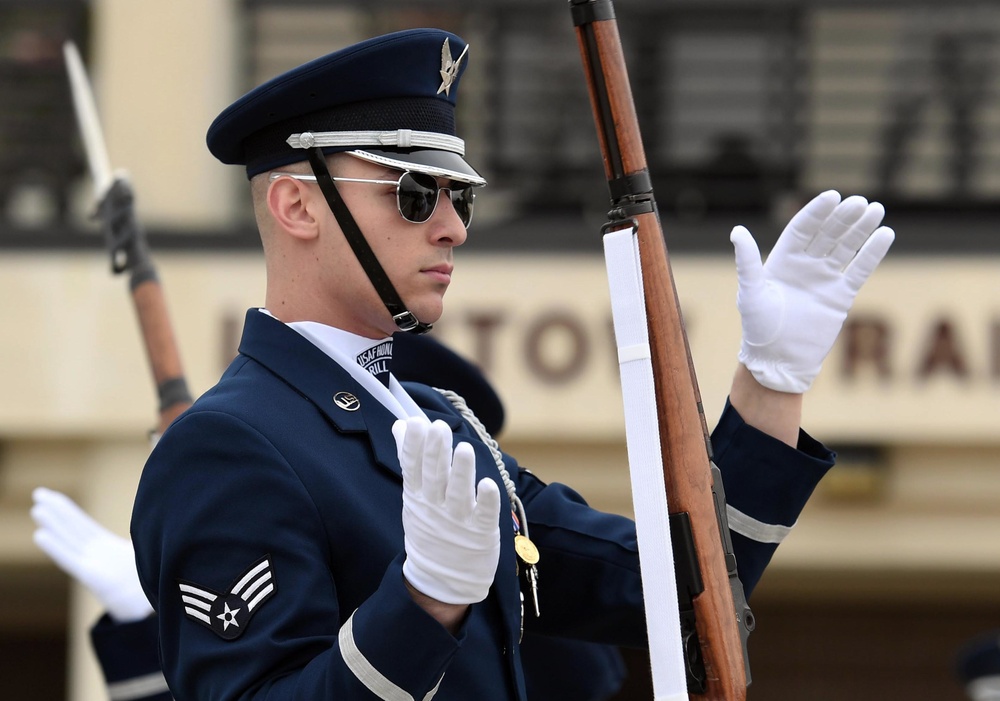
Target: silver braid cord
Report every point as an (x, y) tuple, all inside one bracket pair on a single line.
[(463, 408)]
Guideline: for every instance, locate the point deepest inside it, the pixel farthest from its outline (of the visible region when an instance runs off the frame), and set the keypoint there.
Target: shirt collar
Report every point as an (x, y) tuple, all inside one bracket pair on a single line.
[(344, 348)]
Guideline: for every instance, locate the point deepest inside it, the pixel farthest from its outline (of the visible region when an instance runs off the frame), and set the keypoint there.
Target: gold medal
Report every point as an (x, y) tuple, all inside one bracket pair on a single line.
[(525, 549)]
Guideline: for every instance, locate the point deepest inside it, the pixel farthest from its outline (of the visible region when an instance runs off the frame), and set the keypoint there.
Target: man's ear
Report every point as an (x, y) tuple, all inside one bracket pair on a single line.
[(292, 204)]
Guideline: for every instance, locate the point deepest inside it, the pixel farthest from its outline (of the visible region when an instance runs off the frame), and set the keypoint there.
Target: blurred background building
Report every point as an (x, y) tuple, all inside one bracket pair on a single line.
[(748, 108)]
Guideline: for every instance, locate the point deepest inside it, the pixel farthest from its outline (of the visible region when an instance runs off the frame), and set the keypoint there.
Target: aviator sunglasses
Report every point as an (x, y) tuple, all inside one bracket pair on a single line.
[(416, 194)]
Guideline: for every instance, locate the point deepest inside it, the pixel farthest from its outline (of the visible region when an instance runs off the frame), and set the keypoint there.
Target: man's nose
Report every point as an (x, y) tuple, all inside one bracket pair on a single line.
[(454, 228)]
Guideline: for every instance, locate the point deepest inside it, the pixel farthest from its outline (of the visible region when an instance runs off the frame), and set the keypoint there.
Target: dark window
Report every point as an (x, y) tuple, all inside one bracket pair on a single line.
[(746, 109), (39, 155)]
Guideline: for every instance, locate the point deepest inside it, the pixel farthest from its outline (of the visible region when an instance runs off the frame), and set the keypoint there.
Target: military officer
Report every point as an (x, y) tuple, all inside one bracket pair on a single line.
[(311, 528), (124, 638)]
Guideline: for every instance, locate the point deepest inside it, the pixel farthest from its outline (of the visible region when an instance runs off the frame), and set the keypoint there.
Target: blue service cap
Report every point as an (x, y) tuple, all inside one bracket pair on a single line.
[(389, 100)]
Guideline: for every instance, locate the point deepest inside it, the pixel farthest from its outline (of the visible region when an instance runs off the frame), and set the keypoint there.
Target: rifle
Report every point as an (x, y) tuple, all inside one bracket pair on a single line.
[(715, 620), (126, 241)]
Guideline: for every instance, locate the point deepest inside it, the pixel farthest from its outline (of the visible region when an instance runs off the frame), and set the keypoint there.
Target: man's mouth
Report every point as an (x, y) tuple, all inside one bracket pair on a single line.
[(441, 273)]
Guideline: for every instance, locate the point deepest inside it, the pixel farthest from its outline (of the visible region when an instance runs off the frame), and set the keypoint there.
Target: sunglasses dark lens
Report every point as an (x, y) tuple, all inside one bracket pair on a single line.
[(462, 199), (417, 195)]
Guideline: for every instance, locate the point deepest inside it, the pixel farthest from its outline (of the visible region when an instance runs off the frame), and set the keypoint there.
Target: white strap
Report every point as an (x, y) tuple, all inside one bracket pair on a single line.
[(642, 439), (399, 138)]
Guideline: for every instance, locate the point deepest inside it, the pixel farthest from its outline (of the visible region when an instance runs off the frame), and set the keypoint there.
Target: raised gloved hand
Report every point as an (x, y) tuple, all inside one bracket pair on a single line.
[(100, 560), (451, 528), (793, 306)]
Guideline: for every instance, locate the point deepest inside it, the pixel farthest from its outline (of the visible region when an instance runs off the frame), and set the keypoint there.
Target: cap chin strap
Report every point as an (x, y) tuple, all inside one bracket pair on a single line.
[(404, 318)]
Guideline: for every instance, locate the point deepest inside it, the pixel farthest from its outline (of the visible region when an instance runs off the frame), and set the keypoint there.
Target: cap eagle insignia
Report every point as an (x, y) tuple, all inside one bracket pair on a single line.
[(227, 614), (449, 67)]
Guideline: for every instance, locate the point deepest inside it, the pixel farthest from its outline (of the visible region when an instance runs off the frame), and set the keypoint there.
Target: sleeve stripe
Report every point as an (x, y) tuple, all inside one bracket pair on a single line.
[(984, 687), (756, 530), (138, 687), (373, 680)]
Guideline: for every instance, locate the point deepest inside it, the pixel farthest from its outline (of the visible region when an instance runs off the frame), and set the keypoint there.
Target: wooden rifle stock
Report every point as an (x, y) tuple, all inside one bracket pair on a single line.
[(161, 351), (129, 253), (721, 624)]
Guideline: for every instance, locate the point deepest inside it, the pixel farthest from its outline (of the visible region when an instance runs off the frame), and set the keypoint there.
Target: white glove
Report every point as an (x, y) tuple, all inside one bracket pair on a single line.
[(793, 306), (451, 532), (101, 561)]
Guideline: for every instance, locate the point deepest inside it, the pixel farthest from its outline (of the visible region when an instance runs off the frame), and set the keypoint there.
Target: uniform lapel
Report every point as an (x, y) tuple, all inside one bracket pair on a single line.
[(319, 379), (347, 405)]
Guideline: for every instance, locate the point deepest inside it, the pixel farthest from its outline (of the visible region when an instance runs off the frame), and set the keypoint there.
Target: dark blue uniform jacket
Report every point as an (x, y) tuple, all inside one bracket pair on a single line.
[(268, 536)]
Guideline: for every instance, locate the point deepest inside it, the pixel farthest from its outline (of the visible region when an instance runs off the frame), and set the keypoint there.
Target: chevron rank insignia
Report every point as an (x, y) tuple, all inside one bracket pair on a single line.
[(228, 613)]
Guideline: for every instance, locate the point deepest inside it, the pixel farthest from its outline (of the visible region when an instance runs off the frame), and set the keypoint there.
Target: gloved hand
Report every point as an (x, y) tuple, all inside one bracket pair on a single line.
[(793, 306), (100, 560), (451, 528)]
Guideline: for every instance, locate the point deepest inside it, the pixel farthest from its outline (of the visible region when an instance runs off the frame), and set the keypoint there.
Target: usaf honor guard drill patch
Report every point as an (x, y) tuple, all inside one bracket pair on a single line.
[(227, 614), (377, 360)]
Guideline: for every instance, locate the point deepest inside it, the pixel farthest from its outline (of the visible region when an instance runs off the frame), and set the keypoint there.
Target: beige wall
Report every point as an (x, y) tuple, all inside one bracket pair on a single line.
[(76, 364), (161, 73)]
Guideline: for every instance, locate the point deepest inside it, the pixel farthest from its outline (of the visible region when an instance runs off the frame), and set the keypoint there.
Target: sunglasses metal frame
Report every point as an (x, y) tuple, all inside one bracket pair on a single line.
[(437, 197)]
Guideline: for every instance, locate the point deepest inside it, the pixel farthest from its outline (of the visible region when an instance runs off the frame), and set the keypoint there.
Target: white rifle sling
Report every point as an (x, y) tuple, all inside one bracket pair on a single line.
[(642, 436)]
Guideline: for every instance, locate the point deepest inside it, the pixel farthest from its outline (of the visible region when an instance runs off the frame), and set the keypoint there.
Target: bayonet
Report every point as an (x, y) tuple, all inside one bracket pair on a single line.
[(127, 245), (88, 121)]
